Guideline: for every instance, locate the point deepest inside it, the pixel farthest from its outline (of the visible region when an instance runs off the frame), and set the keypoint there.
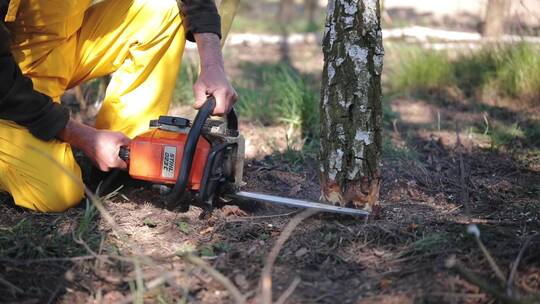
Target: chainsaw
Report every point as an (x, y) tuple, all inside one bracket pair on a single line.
[(201, 160)]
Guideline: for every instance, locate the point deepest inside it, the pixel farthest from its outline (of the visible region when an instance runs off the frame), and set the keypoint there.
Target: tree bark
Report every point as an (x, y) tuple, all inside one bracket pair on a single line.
[(494, 21), (351, 104)]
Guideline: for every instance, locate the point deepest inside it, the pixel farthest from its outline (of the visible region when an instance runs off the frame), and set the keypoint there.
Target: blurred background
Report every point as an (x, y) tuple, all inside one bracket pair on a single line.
[(475, 61)]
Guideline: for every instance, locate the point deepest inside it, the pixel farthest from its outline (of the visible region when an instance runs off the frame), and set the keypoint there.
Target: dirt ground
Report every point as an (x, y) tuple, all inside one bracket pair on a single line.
[(438, 177)]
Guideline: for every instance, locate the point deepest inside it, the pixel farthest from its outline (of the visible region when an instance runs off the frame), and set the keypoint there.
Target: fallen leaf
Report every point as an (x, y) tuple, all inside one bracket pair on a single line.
[(231, 210), (294, 190), (207, 230), (241, 281), (385, 283), (183, 227), (412, 227)]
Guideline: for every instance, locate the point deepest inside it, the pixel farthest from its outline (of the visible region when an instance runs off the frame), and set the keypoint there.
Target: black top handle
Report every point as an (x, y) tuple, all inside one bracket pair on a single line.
[(232, 120), (189, 150)]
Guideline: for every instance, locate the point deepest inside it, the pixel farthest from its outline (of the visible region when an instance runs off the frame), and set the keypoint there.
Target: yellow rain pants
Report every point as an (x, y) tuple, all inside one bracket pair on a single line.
[(60, 44)]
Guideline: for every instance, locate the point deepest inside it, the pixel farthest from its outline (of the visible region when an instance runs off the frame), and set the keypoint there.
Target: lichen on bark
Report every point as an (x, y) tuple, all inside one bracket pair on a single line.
[(351, 109)]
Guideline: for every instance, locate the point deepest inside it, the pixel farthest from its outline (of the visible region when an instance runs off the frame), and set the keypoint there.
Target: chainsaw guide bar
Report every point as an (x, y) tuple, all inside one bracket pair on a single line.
[(291, 202)]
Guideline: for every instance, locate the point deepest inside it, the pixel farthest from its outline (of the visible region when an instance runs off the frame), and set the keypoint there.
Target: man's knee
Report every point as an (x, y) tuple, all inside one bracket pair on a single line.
[(59, 200), (55, 194)]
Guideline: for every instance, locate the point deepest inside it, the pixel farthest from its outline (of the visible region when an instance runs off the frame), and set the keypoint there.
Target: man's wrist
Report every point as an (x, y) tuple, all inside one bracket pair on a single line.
[(76, 134), (209, 47)]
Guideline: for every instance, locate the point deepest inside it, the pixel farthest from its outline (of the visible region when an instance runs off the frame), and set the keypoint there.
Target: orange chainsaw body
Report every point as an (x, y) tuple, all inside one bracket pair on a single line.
[(156, 155)]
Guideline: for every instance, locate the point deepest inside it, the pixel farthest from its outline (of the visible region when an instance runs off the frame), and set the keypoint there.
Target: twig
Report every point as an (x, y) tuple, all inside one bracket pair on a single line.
[(266, 276), (151, 285), (47, 260), (12, 288), (249, 218), (235, 293), (80, 98), (139, 282), (463, 185), (97, 265), (289, 291), (80, 241), (491, 261), (515, 264), (473, 279), (58, 288)]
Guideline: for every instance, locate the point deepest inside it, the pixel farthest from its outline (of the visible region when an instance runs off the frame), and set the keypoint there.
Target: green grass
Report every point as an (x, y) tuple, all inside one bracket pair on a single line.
[(518, 72), (431, 244), (394, 153), (183, 91), (421, 69), (278, 94), (494, 72), (504, 135), (40, 237)]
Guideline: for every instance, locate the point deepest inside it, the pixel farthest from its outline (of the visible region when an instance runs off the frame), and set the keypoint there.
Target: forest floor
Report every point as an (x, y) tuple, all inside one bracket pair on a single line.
[(443, 170)]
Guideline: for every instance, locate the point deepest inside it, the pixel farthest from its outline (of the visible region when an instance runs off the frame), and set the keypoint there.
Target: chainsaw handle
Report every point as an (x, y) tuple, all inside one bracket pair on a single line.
[(189, 150), (232, 120), (123, 153)]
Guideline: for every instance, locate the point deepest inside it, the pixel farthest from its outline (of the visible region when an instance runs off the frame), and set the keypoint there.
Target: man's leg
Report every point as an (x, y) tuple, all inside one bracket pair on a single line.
[(40, 175), (141, 42)]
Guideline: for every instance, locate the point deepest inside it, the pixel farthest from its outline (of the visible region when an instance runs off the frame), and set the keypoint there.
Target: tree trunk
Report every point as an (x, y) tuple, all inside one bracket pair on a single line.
[(285, 11), (351, 104), (284, 15), (494, 21), (310, 7)]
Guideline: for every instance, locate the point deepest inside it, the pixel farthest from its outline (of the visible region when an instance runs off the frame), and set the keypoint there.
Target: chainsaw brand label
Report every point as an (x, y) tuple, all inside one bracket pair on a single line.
[(169, 159)]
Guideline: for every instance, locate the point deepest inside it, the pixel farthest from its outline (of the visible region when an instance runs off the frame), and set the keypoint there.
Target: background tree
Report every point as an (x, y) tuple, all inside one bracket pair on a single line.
[(310, 7), (351, 108), (494, 21), (285, 10)]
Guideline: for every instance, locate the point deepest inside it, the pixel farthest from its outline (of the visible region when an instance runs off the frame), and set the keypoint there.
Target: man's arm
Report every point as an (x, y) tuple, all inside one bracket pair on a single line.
[(203, 26), (45, 119), (212, 79), (101, 146), (19, 102)]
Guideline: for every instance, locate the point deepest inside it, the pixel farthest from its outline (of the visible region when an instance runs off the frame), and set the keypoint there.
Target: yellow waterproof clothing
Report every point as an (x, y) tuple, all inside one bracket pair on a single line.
[(60, 44)]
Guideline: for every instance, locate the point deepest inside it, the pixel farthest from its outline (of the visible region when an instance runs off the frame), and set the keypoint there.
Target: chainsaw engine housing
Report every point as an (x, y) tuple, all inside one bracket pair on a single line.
[(218, 160)]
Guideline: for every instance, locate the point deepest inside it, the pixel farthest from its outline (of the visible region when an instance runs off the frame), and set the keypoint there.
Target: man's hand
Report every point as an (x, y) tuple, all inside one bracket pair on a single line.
[(101, 146), (212, 80)]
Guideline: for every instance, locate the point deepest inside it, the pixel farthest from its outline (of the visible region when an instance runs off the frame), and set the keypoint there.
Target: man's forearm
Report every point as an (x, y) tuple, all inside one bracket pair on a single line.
[(209, 47), (101, 146), (212, 79), (76, 134)]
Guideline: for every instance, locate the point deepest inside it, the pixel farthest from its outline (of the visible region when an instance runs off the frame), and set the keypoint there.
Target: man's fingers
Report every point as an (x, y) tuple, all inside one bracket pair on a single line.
[(121, 164), (199, 92), (125, 141), (222, 102)]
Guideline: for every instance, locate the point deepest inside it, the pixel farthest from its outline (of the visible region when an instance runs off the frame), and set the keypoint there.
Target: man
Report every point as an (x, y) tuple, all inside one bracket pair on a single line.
[(49, 46)]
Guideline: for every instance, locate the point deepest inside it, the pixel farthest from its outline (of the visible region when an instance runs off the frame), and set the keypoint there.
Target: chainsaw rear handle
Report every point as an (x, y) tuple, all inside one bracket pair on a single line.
[(191, 144), (124, 153)]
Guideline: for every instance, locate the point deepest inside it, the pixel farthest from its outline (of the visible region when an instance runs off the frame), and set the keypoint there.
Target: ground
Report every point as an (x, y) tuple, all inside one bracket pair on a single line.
[(443, 170)]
